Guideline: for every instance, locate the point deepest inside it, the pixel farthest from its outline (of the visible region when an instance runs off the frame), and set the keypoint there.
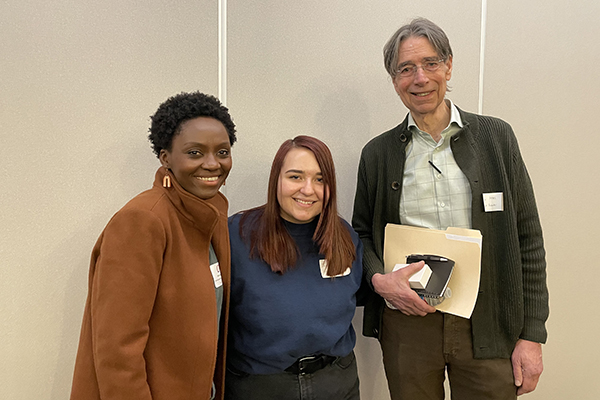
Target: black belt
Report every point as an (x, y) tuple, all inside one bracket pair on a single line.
[(310, 364)]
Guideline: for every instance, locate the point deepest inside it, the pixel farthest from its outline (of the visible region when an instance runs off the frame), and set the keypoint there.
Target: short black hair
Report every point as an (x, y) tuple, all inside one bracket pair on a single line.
[(167, 120)]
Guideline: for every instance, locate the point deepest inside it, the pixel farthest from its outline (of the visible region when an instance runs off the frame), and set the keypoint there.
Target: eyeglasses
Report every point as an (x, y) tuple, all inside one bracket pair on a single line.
[(408, 70)]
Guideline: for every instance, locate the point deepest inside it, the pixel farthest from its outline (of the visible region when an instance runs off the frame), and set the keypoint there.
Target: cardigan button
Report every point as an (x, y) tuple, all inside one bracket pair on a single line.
[(403, 138), (395, 185)]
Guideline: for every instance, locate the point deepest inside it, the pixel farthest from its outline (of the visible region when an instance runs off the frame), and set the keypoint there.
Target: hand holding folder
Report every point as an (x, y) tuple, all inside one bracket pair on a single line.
[(461, 245)]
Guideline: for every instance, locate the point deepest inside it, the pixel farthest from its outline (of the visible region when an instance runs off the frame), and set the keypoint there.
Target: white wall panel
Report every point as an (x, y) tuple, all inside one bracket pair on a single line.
[(316, 68), (78, 82), (542, 76)]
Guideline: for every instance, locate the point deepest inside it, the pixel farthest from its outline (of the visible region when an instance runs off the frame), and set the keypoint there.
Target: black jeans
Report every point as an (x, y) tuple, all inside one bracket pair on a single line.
[(337, 381)]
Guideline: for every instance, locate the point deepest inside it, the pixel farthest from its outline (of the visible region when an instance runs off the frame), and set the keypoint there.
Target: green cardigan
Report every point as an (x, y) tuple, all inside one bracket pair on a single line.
[(513, 296)]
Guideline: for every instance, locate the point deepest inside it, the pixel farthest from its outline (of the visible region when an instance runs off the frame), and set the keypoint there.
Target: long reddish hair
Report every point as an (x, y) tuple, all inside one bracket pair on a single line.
[(263, 226)]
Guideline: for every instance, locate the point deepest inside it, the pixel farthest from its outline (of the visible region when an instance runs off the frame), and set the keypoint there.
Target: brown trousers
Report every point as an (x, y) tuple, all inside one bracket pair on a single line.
[(417, 351)]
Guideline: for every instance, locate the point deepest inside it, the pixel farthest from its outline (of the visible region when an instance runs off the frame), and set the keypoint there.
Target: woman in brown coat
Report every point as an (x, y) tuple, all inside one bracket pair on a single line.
[(155, 318)]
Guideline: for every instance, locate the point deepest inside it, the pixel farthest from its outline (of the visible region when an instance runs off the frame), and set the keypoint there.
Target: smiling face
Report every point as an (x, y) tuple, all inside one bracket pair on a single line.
[(200, 156), (423, 93), (300, 187)]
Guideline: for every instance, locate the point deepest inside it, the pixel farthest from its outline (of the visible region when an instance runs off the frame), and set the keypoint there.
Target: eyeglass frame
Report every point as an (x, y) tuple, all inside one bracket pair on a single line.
[(416, 67)]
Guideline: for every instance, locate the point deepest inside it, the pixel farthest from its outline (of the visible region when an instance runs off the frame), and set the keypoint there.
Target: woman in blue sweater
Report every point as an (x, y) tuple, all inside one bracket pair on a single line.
[(296, 268)]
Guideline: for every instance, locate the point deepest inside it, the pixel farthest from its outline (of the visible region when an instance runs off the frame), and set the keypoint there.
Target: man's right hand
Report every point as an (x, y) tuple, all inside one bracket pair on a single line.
[(394, 287)]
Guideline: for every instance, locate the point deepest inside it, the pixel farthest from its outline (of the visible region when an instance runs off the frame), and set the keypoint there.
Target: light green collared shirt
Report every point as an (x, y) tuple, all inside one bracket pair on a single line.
[(429, 198)]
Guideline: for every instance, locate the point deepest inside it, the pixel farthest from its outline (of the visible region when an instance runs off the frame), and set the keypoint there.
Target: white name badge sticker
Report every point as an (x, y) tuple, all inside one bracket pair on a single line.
[(216, 273), (493, 202), (323, 265)]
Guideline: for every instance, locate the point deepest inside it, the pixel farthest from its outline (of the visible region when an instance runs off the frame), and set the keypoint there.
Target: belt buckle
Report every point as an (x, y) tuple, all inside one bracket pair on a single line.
[(305, 360)]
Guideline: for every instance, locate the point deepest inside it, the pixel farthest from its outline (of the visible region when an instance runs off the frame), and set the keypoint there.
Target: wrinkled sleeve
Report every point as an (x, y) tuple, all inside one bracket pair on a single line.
[(123, 291)]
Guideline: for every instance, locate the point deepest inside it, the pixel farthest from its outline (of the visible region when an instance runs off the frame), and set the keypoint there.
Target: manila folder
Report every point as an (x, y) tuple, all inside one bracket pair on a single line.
[(461, 245)]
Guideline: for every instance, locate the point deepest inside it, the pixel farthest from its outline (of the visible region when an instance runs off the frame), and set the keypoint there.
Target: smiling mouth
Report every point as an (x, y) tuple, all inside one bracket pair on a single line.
[(207, 178), (422, 94), (304, 202)]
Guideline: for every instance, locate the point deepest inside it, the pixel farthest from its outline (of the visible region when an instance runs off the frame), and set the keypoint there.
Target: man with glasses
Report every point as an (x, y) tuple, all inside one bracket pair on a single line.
[(435, 170)]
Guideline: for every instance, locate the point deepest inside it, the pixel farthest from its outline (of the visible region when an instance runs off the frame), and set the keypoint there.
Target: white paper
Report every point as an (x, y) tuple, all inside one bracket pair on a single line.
[(323, 265), (216, 273), (493, 202)]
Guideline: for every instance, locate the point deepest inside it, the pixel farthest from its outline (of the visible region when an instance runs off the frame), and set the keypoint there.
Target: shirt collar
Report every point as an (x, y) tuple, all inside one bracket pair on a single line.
[(454, 116)]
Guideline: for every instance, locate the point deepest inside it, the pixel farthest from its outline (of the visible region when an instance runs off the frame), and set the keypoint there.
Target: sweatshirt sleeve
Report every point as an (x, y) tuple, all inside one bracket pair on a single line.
[(123, 290)]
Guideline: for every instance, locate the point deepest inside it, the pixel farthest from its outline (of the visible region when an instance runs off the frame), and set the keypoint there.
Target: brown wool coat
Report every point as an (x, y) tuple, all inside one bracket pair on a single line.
[(150, 323)]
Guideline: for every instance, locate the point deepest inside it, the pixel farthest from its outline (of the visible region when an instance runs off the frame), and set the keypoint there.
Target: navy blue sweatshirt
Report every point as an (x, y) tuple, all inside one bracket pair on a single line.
[(274, 319)]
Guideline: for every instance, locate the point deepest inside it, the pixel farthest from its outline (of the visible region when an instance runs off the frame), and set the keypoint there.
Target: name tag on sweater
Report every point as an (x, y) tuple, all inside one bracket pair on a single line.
[(493, 202), (216, 273), (323, 265)]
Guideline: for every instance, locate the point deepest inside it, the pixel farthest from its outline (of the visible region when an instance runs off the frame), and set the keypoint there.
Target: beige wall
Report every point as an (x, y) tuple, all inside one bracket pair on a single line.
[(532, 81), (78, 80)]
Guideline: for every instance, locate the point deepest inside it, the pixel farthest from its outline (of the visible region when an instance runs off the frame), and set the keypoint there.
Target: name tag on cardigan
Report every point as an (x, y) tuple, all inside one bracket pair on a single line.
[(323, 265), (216, 273), (493, 202)]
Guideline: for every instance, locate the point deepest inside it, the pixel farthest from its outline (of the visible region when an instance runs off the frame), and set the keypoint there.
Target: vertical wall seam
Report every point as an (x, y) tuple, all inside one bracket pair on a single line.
[(222, 56), (222, 46), (482, 55)]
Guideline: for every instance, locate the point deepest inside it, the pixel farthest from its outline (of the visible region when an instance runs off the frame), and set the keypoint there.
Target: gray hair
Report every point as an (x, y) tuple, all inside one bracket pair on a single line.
[(418, 27)]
